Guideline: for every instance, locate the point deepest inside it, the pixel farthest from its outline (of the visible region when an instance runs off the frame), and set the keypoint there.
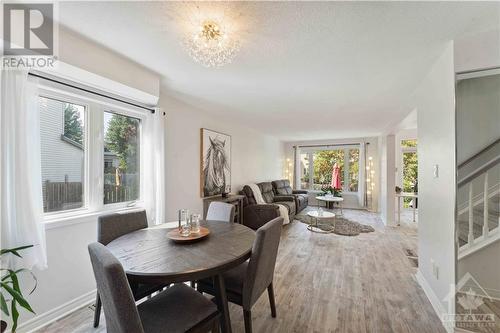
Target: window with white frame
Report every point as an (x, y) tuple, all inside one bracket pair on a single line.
[(90, 152), (316, 167), (409, 167), (121, 158), (62, 141)]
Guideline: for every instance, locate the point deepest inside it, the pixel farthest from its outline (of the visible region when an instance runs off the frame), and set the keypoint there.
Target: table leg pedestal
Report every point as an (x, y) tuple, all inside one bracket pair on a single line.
[(221, 299)]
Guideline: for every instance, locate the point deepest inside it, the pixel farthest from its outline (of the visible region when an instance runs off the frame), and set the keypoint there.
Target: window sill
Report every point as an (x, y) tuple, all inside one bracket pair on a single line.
[(62, 220)]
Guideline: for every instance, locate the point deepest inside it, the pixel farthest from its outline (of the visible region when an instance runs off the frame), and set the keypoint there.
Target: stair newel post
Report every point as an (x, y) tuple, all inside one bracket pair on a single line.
[(486, 212), (471, 217)]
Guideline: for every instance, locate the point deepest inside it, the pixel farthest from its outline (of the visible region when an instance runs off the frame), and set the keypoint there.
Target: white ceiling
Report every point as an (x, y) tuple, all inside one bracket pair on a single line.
[(306, 70)]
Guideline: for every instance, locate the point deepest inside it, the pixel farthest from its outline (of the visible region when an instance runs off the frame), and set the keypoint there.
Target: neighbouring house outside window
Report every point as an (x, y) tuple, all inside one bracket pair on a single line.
[(62, 137)]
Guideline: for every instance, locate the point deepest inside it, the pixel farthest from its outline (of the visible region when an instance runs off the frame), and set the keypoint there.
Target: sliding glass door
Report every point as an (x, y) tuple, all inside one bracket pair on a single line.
[(316, 167)]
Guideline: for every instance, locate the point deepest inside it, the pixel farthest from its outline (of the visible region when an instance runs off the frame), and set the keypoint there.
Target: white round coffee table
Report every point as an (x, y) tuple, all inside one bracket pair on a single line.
[(331, 199), (318, 216)]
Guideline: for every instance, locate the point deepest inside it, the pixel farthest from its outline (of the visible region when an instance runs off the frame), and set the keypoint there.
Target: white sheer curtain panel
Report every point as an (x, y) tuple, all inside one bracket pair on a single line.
[(154, 175), (21, 180), (362, 174), (296, 169)]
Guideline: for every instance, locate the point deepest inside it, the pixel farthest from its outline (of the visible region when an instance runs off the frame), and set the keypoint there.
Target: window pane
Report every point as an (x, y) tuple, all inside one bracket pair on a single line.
[(410, 171), (354, 170), (121, 158), (409, 143), (410, 174), (304, 171), (324, 160), (62, 154)]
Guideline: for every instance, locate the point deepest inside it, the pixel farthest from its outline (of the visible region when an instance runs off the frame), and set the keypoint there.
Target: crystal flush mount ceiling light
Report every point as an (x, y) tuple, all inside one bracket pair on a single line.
[(211, 44)]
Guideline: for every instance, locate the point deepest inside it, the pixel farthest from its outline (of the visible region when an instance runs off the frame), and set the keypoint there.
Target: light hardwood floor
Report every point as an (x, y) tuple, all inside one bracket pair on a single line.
[(331, 283)]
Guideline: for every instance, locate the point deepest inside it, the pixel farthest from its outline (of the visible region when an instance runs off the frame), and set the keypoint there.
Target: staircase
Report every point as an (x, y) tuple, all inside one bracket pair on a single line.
[(478, 219), (477, 226), (486, 306)]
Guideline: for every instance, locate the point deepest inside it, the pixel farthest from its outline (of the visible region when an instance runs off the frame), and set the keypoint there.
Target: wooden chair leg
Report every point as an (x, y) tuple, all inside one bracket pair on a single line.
[(247, 318), (97, 311), (270, 292)]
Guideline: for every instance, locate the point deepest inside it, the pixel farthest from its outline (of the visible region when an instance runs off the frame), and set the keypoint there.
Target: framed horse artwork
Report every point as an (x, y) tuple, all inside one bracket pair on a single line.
[(215, 166)]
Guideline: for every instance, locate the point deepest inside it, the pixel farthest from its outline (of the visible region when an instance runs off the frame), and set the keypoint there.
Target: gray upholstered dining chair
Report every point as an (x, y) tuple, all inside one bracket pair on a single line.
[(112, 226), (177, 309), (220, 211), (245, 283)]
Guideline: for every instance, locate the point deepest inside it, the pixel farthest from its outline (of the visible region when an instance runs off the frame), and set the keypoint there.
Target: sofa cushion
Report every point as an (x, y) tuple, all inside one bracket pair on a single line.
[(303, 198), (290, 205), (282, 187), (266, 188), (301, 201)]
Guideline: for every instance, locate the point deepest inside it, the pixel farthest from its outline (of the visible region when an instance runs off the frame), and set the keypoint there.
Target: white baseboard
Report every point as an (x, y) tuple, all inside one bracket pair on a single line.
[(435, 302), (50, 316)]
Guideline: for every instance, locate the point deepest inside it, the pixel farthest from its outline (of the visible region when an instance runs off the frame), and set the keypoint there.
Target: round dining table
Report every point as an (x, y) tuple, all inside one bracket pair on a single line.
[(149, 256)]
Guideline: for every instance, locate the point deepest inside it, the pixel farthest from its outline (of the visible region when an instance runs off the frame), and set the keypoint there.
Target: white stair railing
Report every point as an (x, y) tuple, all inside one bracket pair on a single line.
[(470, 239), (487, 236), (486, 211)]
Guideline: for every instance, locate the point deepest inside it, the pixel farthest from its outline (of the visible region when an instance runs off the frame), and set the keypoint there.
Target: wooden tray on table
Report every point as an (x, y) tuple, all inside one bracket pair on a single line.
[(176, 236)]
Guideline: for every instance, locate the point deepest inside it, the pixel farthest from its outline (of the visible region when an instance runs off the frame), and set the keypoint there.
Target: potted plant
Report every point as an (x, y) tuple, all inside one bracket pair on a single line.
[(336, 192), (10, 290)]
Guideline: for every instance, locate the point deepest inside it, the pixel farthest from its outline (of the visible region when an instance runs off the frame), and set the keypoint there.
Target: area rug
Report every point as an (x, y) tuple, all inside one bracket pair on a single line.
[(340, 225)]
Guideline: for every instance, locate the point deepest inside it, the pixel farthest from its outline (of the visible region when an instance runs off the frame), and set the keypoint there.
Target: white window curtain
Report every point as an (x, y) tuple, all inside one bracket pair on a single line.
[(297, 166), (362, 175), (21, 179), (154, 175)]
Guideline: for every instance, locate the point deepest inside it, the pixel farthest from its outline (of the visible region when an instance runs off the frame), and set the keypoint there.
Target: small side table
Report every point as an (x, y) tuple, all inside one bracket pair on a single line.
[(400, 195), (330, 200), (317, 217)]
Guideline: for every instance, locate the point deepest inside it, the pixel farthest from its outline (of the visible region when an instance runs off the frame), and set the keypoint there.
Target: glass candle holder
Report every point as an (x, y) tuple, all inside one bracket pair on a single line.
[(185, 230), (183, 218), (195, 223)]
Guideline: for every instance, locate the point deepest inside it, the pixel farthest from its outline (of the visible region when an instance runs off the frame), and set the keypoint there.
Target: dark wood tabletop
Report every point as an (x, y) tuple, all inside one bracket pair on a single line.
[(147, 255)]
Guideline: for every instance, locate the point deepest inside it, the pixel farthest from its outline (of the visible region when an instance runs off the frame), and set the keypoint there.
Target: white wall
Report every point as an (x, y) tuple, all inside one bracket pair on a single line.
[(255, 157), (478, 115), (434, 100), (350, 199), (84, 54), (481, 50), (387, 179), (484, 266)]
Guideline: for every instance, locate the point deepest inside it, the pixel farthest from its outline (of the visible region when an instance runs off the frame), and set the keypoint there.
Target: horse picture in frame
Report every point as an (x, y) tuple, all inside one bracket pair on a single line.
[(215, 170)]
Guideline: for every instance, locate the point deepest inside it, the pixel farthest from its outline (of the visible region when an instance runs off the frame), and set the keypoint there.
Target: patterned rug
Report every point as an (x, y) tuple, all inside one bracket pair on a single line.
[(339, 225)]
